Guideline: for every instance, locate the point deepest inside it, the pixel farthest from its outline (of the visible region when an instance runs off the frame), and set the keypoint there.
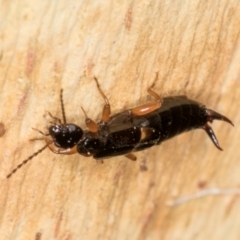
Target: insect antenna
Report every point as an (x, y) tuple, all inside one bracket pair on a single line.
[(28, 159), (62, 107)]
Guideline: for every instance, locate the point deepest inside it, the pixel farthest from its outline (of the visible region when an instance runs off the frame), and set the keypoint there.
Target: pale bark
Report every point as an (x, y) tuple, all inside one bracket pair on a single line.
[(49, 45)]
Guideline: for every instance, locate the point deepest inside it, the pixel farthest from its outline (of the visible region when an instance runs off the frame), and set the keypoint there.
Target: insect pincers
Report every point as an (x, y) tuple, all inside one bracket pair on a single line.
[(129, 131)]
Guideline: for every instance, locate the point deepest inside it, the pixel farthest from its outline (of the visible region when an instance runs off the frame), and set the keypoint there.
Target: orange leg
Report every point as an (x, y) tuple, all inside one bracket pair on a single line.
[(150, 106), (57, 150), (131, 156), (106, 109), (91, 125)]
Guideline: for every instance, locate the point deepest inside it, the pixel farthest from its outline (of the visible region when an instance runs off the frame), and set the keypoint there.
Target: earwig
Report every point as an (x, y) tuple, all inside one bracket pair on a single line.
[(128, 131)]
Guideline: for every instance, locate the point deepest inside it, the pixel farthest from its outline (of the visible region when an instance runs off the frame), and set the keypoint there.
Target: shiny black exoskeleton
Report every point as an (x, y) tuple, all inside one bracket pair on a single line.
[(128, 131), (65, 135), (125, 133)]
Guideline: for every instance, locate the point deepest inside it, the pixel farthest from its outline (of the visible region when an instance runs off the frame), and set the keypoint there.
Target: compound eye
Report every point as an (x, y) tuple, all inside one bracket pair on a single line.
[(54, 130)]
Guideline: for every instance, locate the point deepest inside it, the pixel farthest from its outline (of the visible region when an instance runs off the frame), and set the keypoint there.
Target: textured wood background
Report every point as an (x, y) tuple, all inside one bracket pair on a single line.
[(49, 45)]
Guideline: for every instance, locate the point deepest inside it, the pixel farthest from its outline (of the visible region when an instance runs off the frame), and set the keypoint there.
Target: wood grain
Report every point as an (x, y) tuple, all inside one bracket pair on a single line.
[(49, 45)]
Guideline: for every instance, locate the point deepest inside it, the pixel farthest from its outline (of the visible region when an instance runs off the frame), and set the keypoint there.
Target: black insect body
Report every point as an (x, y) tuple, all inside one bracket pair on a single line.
[(124, 133), (129, 131)]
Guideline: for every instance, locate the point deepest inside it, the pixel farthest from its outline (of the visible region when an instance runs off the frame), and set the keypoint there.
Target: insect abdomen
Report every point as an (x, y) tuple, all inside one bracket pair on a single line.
[(180, 114), (176, 115)]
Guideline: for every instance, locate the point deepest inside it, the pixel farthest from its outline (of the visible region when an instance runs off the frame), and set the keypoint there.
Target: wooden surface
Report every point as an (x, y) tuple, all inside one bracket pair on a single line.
[(49, 45)]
